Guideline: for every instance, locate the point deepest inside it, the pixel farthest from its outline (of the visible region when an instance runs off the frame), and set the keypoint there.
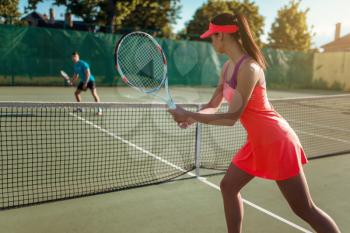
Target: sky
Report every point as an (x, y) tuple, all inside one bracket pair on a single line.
[(323, 15)]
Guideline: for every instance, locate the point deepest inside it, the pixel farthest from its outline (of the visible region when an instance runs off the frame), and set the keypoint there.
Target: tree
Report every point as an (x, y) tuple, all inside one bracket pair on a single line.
[(113, 12), (149, 15), (290, 30), (251, 11), (87, 9), (202, 16), (32, 5), (9, 10), (154, 16), (207, 11), (106, 13)]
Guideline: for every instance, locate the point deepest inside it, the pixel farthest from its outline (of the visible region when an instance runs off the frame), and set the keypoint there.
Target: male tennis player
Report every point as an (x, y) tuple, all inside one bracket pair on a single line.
[(87, 80), (272, 150)]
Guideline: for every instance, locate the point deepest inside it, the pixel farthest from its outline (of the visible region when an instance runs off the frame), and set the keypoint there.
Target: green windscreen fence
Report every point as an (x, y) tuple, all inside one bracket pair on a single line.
[(34, 56)]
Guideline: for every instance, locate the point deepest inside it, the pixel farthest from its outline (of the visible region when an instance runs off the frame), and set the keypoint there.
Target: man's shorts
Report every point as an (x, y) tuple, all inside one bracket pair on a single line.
[(90, 85)]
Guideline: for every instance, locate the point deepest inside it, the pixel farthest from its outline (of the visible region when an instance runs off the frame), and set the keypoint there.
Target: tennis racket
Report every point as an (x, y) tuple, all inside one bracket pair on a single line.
[(66, 77), (142, 64)]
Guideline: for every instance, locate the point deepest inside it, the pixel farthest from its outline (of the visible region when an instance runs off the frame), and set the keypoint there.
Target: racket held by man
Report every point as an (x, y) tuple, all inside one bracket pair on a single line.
[(65, 76)]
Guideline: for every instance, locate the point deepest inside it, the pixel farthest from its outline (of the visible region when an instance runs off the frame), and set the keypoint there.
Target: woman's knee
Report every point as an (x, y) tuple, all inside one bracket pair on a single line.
[(304, 211), (228, 187)]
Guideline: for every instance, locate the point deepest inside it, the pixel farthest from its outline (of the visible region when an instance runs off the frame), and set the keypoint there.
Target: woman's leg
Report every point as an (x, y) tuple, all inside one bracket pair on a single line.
[(297, 194), (233, 181)]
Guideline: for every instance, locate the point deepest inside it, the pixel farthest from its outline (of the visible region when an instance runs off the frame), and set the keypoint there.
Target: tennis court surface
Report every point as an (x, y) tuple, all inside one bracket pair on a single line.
[(59, 151)]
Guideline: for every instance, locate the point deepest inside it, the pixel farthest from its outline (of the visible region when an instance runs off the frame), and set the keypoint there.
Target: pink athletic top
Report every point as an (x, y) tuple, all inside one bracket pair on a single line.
[(272, 150)]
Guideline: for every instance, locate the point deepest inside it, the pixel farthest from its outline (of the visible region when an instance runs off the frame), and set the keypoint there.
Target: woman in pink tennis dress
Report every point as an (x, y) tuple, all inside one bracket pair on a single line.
[(272, 151)]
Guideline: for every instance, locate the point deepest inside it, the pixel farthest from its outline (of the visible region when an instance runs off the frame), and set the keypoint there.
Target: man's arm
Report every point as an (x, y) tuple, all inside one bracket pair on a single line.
[(87, 77), (75, 77)]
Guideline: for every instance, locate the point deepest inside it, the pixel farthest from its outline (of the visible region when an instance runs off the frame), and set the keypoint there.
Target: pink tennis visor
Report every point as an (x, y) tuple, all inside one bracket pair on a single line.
[(219, 28)]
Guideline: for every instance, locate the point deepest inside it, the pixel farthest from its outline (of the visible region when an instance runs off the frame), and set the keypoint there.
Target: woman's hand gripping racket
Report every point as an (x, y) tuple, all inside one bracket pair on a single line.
[(65, 76), (141, 63)]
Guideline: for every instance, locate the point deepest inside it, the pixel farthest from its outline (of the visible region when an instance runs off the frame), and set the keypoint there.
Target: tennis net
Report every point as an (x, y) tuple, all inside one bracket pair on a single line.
[(54, 151), (321, 123)]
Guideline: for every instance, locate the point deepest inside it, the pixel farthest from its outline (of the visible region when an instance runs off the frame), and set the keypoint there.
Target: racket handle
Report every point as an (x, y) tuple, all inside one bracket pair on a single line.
[(171, 104)]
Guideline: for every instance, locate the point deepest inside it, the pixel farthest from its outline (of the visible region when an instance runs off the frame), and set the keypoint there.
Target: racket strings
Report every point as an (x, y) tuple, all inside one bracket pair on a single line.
[(141, 62)]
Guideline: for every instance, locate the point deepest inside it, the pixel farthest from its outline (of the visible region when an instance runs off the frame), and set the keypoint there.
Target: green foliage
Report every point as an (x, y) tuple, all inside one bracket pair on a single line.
[(32, 5), (251, 11), (155, 16), (86, 9), (117, 14), (9, 11), (290, 30), (113, 12), (202, 16)]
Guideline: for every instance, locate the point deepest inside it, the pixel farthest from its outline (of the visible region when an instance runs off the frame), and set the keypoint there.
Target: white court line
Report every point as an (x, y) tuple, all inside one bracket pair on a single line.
[(128, 142), (322, 136), (201, 179), (320, 126), (204, 180)]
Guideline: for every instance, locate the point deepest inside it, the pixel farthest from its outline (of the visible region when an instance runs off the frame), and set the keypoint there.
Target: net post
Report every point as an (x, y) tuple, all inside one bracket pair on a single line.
[(198, 145)]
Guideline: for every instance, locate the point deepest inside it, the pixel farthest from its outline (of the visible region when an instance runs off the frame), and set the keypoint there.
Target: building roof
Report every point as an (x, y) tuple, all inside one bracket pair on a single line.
[(342, 42), (44, 22), (34, 15)]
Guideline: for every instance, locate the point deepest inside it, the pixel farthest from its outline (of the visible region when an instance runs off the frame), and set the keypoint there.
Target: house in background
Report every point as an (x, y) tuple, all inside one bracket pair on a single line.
[(331, 68), (339, 44), (35, 19)]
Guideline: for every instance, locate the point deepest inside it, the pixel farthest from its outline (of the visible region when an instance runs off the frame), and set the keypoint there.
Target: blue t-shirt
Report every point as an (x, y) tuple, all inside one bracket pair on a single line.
[(79, 68)]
